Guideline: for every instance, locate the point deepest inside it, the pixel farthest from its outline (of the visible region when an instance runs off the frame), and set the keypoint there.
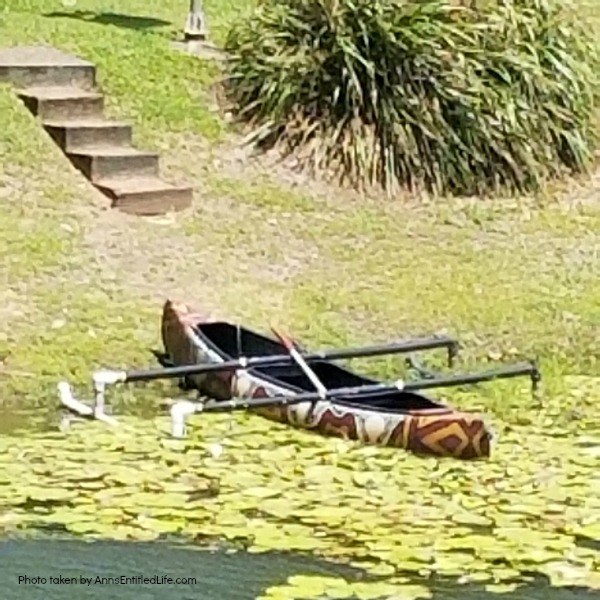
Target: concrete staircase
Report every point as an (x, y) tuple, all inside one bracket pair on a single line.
[(62, 91)]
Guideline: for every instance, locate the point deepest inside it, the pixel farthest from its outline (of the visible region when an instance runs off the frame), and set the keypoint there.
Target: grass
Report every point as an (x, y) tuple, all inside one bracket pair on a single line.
[(168, 96), (517, 277), (50, 284), (322, 80)]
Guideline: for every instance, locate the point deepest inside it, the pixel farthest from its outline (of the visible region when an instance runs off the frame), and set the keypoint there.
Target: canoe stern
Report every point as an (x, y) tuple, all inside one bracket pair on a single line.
[(454, 434)]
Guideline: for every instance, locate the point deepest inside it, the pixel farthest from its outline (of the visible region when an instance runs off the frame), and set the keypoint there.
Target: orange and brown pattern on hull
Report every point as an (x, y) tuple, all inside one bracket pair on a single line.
[(445, 433), (457, 435), (440, 431), (344, 426)]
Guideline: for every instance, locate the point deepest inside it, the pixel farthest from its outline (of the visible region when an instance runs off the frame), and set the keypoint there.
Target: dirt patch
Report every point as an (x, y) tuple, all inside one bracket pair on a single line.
[(193, 255), (224, 248)]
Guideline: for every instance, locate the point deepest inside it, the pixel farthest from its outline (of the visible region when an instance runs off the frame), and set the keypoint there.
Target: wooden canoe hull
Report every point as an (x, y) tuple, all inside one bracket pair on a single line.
[(440, 431)]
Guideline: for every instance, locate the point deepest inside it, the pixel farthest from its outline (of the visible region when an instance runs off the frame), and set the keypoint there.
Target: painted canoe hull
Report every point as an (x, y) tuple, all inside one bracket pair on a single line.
[(439, 431)]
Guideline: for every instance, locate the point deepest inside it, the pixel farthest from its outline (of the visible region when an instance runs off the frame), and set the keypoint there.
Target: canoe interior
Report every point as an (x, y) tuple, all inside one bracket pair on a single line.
[(232, 342)]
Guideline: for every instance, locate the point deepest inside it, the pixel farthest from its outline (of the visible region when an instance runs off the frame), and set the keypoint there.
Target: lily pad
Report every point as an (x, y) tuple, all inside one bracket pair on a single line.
[(501, 588), (53, 494), (262, 492), (471, 518), (532, 508)]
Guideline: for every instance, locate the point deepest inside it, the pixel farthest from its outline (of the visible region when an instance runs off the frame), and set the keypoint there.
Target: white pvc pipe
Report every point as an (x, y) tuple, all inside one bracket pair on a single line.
[(68, 400), (180, 411)]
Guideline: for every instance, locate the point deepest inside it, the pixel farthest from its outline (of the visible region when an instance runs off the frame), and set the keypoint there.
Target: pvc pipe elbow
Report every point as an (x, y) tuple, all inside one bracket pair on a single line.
[(179, 413), (107, 377)]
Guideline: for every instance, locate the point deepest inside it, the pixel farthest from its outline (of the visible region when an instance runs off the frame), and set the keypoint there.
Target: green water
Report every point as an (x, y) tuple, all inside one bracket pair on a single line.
[(48, 416), (218, 575), (526, 518), (24, 420)]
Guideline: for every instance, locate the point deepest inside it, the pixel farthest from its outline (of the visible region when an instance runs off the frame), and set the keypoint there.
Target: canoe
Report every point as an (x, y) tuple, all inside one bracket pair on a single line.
[(400, 419)]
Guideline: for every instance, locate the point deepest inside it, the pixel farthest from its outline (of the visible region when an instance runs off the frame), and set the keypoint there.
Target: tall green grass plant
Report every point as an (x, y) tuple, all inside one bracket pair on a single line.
[(464, 98)]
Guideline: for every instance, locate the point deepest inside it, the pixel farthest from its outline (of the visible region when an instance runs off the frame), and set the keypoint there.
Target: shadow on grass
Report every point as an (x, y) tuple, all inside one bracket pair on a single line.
[(109, 18)]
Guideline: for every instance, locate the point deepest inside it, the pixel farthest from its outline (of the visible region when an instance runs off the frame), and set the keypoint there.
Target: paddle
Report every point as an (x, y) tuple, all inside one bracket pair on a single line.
[(289, 345)]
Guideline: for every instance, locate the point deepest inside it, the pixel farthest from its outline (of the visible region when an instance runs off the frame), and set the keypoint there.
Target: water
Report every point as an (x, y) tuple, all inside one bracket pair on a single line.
[(12, 420), (45, 414), (218, 575)]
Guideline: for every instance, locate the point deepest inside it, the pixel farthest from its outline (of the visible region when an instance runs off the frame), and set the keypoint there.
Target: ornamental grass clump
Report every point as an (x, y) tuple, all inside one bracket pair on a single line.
[(464, 98)]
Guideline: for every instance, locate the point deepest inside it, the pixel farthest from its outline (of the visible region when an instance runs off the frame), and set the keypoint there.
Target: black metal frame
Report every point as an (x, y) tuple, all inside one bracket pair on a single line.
[(402, 347), (438, 381), (429, 379)]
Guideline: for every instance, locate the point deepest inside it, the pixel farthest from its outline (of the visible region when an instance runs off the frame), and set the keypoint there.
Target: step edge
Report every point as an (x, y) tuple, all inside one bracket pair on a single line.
[(140, 207), (84, 123), (76, 94), (119, 186), (89, 152)]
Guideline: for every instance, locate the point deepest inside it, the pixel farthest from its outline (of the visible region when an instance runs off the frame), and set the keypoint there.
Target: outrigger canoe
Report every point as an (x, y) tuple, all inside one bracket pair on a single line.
[(397, 418), (239, 369)]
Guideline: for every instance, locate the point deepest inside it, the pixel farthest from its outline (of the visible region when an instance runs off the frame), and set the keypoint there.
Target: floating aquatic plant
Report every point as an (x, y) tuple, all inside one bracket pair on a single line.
[(534, 508)]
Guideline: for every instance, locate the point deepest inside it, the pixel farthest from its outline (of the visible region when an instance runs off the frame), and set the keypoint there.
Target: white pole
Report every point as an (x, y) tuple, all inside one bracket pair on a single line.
[(179, 413), (195, 25)]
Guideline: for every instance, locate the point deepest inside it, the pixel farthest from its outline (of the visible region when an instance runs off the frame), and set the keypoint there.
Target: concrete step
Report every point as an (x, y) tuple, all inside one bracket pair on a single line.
[(27, 66), (61, 90), (145, 195), (64, 102), (114, 162), (84, 133)]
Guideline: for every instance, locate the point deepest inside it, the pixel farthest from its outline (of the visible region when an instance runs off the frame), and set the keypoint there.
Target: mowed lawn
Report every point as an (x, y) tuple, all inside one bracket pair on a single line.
[(83, 285)]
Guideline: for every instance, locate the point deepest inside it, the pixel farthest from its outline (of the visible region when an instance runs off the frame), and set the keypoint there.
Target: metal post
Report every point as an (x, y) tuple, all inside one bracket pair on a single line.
[(195, 25)]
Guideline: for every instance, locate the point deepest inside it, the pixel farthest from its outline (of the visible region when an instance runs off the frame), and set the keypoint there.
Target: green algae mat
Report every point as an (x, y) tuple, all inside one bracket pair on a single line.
[(530, 514)]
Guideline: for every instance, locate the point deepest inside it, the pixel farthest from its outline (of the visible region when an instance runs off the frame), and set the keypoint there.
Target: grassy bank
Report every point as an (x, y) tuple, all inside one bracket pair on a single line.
[(83, 286), (517, 277)]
